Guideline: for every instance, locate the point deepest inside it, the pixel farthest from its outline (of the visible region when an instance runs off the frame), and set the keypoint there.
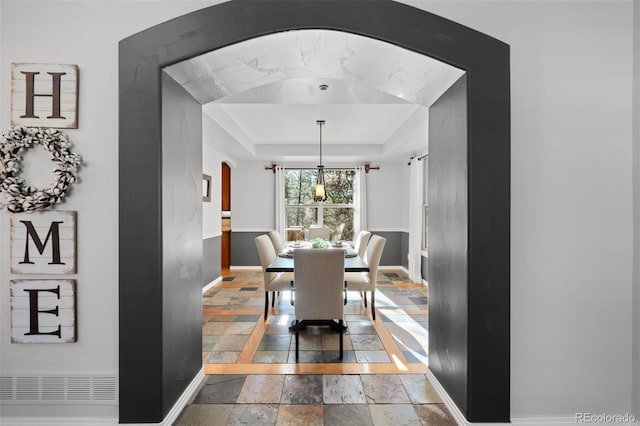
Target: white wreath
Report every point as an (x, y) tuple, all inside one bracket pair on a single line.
[(20, 198)]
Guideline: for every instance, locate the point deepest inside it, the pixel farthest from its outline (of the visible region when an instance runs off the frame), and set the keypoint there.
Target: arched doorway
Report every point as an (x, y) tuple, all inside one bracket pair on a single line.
[(159, 350)]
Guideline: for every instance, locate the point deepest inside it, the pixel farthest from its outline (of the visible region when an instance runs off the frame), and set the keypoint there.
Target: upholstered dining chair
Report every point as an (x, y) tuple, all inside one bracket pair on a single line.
[(319, 287), (319, 232), (273, 281), (360, 244), (366, 281), (277, 241)]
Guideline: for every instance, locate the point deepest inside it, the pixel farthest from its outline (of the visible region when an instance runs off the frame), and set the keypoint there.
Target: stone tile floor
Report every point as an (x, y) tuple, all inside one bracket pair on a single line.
[(306, 399), (233, 308)]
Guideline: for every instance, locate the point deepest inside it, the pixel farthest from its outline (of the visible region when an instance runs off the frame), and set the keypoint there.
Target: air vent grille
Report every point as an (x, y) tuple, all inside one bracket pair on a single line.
[(72, 389)]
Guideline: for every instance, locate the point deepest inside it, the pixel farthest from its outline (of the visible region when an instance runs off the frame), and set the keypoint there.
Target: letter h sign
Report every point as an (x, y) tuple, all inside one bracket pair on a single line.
[(43, 243), (44, 95)]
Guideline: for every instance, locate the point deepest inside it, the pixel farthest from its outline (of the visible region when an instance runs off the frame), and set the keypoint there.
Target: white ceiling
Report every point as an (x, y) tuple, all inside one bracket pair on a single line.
[(265, 93)]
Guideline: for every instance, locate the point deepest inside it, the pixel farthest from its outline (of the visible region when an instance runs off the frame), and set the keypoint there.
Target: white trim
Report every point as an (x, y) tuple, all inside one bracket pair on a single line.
[(388, 230), (211, 284), (245, 268), (391, 267), (236, 230), (213, 235), (448, 402), (186, 396), (46, 421), (544, 421)]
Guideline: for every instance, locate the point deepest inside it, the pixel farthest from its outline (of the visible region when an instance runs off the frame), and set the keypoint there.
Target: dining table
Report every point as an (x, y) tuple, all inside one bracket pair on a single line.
[(284, 261)]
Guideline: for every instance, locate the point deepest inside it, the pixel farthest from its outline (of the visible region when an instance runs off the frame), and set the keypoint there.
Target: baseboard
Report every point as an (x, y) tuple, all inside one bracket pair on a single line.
[(543, 421), (211, 284), (62, 421), (393, 268), (244, 268), (184, 399), (448, 402)]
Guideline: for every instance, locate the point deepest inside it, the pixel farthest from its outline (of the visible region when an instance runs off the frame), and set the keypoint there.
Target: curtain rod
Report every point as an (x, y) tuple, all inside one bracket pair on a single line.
[(419, 158), (367, 167)]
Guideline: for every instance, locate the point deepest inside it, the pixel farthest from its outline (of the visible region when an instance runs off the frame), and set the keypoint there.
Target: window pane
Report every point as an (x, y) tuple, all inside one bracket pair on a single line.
[(299, 186), (334, 217), (339, 186), (301, 216)]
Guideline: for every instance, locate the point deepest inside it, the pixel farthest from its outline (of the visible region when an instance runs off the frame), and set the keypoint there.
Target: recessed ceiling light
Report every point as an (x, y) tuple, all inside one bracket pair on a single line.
[(323, 87)]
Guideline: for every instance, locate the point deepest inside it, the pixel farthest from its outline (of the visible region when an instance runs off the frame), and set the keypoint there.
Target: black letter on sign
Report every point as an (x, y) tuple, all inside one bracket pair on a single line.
[(34, 311), (55, 96), (40, 246)]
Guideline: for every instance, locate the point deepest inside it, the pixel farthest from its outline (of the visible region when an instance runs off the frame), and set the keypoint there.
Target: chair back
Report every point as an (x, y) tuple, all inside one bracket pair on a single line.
[(319, 283), (322, 232), (267, 255), (360, 245), (373, 255), (277, 241), (337, 235)]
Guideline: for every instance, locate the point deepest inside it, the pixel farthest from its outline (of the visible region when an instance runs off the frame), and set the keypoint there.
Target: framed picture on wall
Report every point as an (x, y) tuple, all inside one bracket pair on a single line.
[(206, 188)]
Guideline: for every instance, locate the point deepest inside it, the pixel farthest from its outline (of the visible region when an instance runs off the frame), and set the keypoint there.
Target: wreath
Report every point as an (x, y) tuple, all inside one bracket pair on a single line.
[(20, 197)]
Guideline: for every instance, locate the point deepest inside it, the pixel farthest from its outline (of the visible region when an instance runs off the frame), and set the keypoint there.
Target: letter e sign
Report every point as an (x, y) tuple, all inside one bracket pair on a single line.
[(43, 311), (44, 95), (43, 243)]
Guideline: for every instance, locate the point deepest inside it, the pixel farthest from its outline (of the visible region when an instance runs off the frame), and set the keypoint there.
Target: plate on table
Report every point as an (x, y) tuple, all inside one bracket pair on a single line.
[(337, 244), (296, 244)]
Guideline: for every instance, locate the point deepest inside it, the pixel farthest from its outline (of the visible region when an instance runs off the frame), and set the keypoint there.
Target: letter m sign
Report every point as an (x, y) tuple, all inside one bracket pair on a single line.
[(43, 243)]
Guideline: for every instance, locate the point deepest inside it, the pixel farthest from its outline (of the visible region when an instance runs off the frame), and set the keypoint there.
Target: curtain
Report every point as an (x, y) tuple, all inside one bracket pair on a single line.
[(415, 220), (360, 200), (279, 212)]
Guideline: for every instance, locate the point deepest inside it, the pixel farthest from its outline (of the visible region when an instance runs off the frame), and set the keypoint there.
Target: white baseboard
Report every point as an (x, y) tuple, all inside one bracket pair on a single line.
[(211, 284), (63, 421), (245, 268), (448, 402), (543, 421), (186, 396)]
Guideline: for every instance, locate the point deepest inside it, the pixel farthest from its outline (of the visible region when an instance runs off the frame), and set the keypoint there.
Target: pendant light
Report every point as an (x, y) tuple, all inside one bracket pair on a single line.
[(320, 194)]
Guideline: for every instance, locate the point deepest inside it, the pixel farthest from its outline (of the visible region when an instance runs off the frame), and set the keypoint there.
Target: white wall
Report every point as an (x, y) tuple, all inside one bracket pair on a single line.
[(571, 217), (571, 187), (87, 34), (388, 197), (252, 193), (212, 166), (636, 208)]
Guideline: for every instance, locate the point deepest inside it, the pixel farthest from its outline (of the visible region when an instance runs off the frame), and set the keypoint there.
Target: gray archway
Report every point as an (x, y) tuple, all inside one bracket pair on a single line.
[(160, 350)]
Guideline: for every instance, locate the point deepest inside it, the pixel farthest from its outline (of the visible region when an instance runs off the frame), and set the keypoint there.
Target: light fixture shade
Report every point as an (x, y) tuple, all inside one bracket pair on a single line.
[(320, 194)]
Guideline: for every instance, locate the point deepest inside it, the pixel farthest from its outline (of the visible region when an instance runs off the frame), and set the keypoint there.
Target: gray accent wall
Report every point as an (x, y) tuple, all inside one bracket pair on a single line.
[(211, 259), (156, 316), (181, 319), (395, 249), (448, 242), (243, 248)]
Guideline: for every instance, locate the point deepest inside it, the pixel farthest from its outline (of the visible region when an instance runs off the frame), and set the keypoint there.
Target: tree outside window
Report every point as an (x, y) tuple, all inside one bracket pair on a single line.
[(339, 208)]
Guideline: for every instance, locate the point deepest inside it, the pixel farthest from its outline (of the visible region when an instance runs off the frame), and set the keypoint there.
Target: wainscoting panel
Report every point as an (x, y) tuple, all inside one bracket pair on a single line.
[(211, 259), (243, 248)]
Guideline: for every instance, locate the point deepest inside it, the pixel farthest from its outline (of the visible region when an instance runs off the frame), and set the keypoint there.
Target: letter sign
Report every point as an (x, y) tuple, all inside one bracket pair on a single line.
[(44, 95), (43, 311), (43, 243)]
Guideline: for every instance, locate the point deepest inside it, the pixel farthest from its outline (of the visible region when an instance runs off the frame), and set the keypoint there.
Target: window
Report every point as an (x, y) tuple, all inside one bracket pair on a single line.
[(339, 208)]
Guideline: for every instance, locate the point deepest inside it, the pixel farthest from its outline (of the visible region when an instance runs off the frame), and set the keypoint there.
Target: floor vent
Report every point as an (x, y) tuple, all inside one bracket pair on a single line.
[(73, 389)]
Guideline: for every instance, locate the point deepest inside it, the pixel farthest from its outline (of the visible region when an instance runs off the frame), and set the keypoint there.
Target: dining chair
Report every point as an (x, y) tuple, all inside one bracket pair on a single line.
[(366, 281), (277, 241), (273, 281), (319, 232), (319, 287), (337, 235), (360, 245)]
